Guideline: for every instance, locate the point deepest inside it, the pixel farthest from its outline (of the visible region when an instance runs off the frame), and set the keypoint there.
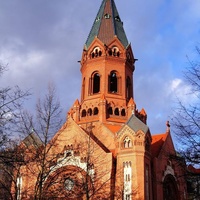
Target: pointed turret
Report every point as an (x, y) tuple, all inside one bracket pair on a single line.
[(107, 25)]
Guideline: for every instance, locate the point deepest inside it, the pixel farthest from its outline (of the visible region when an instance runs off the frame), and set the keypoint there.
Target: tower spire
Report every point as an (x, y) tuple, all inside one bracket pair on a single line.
[(107, 67), (107, 25)]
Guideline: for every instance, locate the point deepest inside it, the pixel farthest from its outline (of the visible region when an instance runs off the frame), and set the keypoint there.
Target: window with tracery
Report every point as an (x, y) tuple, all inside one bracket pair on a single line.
[(127, 142), (96, 52), (114, 51), (127, 180)]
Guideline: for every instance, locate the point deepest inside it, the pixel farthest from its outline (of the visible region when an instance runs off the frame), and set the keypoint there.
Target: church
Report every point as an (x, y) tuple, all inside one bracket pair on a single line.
[(105, 149)]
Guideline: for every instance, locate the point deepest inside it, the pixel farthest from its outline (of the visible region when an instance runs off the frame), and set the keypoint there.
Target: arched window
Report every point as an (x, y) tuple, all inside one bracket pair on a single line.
[(83, 89), (19, 186), (89, 112), (113, 82), (117, 111), (96, 83), (128, 88), (96, 52), (123, 112), (83, 113), (114, 52), (127, 180), (127, 142), (96, 111)]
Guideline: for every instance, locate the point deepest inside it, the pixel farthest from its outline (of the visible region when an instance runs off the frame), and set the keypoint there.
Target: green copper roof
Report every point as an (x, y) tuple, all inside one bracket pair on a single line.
[(107, 25)]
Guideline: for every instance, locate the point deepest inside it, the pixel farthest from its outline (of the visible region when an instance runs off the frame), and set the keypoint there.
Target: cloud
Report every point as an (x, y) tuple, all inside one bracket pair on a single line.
[(182, 91), (42, 41)]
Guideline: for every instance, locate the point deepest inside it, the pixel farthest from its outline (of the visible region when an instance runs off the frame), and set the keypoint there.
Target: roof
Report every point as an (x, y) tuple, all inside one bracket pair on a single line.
[(113, 128), (193, 170), (157, 143), (107, 25), (135, 124)]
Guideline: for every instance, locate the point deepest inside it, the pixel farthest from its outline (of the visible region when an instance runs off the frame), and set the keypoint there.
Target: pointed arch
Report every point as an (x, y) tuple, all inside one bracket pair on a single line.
[(170, 189)]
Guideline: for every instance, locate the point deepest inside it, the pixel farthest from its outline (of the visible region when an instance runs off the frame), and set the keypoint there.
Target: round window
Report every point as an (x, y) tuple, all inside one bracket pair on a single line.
[(69, 184)]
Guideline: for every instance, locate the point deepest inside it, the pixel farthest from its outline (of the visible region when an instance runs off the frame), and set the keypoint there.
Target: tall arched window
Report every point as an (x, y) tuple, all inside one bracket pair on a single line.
[(117, 111), (19, 186), (170, 189), (113, 82), (127, 142), (83, 89), (96, 83), (128, 88), (127, 180)]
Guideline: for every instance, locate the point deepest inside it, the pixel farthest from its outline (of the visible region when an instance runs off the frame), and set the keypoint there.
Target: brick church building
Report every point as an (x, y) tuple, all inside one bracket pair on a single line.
[(105, 149)]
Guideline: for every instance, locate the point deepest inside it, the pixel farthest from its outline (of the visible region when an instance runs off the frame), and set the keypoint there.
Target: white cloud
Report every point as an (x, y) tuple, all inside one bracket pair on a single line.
[(182, 91), (42, 41)]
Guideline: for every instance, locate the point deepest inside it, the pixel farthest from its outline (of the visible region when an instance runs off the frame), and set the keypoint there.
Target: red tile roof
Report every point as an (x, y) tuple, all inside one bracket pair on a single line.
[(157, 143), (113, 128)]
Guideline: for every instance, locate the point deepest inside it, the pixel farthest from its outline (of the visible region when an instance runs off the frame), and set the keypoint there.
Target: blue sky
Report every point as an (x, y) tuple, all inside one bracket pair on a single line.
[(41, 41)]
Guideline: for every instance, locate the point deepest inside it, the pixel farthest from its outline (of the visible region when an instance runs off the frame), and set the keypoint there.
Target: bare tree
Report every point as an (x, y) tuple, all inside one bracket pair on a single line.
[(45, 125), (186, 119), (11, 101)]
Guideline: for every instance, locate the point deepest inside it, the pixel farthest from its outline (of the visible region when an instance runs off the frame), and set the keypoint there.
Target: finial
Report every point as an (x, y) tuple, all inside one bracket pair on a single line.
[(168, 126)]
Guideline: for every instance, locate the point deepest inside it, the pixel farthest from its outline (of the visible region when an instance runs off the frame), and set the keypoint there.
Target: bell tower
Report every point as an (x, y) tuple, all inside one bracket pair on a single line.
[(107, 67)]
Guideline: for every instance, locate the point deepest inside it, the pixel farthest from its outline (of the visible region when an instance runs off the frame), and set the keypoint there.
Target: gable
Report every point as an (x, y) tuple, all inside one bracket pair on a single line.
[(160, 143), (74, 134), (135, 124)]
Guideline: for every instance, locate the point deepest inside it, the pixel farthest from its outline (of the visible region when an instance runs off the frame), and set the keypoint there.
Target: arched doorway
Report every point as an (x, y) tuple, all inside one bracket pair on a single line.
[(170, 189)]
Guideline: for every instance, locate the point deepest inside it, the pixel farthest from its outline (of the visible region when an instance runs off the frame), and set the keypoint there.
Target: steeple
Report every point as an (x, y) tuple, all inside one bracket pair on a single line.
[(107, 67), (107, 25)]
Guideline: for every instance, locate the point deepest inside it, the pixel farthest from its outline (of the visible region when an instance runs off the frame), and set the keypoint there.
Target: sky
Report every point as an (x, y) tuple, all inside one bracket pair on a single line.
[(42, 40)]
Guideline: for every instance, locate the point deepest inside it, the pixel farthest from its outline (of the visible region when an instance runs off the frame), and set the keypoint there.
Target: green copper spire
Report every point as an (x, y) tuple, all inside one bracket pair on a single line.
[(107, 25)]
